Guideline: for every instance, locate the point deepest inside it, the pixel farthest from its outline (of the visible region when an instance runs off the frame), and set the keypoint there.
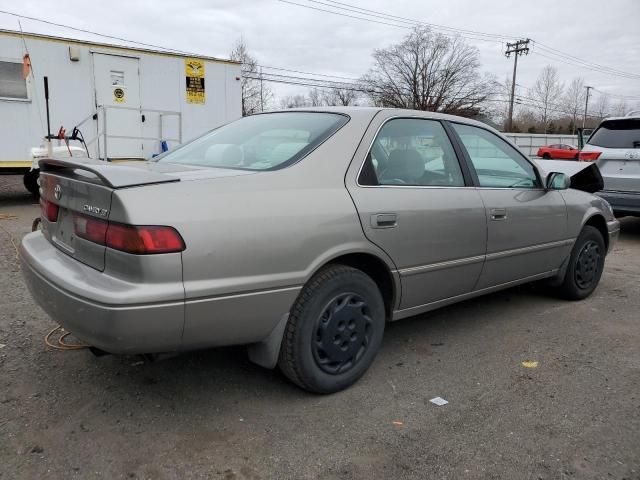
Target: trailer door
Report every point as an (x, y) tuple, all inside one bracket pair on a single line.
[(117, 91)]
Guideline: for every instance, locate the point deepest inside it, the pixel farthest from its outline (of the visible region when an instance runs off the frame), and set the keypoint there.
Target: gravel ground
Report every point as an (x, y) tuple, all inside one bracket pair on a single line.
[(213, 414)]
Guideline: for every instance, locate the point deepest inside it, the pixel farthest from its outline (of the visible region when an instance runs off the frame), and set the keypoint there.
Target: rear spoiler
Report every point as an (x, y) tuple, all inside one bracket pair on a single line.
[(113, 175)]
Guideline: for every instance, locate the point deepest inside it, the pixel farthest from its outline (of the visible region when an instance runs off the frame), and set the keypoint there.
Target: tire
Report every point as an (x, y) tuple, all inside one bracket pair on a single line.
[(546, 156), (586, 263), (30, 181), (334, 331), (576, 157)]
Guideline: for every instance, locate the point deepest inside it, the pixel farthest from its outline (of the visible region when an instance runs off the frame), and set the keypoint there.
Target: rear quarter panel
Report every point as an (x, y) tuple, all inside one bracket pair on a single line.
[(253, 241)]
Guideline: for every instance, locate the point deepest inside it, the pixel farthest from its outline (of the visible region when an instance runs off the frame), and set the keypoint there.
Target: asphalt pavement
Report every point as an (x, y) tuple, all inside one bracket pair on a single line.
[(572, 410)]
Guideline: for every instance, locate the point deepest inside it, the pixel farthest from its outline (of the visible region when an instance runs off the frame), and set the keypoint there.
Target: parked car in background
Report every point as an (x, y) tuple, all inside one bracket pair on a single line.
[(615, 147), (558, 151), (301, 233)]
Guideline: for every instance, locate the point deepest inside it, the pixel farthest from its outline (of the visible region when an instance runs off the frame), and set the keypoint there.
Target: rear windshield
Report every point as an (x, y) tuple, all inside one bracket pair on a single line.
[(267, 141), (617, 134)]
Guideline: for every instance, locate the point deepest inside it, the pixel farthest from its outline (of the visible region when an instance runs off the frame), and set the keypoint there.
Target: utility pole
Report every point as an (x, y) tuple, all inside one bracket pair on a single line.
[(586, 104), (518, 48)]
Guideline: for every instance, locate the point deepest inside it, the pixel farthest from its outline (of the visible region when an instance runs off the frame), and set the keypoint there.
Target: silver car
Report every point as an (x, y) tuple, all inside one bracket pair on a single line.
[(615, 147), (300, 233)]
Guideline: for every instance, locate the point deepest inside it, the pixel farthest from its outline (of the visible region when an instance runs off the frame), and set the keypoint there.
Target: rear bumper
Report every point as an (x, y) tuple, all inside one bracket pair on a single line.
[(67, 290), (124, 317), (623, 203)]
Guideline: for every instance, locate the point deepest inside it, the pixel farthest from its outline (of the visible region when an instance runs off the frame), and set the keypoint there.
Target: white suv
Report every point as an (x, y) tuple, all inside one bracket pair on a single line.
[(615, 147)]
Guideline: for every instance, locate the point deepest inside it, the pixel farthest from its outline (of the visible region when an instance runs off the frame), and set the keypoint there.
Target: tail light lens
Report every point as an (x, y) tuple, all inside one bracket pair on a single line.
[(141, 240), (89, 228), (49, 210), (589, 156), (144, 239)]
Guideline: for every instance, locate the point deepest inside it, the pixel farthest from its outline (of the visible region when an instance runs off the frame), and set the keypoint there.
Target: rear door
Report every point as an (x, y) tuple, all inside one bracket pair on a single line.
[(618, 141), (414, 202), (526, 224), (117, 90)]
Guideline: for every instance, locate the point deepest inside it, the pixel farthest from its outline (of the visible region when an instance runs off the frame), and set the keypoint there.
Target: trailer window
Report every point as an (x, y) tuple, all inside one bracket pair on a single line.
[(12, 84)]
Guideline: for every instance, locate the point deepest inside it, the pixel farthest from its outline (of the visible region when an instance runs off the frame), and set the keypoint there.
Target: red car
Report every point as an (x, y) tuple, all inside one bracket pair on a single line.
[(559, 151)]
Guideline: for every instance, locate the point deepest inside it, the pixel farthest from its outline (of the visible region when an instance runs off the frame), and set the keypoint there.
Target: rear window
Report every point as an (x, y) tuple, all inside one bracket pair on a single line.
[(269, 141), (623, 133)]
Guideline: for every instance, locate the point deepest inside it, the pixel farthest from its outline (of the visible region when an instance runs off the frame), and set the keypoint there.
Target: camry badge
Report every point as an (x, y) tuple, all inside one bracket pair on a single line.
[(102, 212), (57, 192)]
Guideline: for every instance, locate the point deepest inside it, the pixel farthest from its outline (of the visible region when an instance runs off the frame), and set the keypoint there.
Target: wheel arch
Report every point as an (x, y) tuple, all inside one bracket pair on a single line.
[(265, 353), (598, 221), (377, 269)]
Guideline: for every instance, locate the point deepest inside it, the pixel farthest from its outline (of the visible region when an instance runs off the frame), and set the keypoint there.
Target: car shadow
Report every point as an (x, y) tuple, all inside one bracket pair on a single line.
[(630, 228), (13, 193), (227, 373)]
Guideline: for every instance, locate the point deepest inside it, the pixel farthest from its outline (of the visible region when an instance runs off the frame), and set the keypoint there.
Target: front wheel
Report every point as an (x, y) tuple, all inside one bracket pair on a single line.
[(546, 156), (334, 331), (585, 265)]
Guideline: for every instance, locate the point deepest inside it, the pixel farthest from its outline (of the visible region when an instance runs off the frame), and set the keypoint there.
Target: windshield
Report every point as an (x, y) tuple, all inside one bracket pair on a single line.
[(617, 134), (261, 142)]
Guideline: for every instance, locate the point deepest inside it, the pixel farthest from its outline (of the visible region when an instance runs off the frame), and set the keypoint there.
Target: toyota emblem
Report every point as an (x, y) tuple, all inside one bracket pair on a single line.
[(57, 192)]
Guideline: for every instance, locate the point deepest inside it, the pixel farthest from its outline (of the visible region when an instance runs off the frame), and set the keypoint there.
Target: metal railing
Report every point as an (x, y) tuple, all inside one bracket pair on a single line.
[(102, 132)]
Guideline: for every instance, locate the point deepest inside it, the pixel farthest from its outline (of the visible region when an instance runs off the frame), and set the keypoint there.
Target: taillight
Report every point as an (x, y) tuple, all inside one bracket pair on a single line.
[(142, 240), (589, 156), (49, 210), (89, 228)]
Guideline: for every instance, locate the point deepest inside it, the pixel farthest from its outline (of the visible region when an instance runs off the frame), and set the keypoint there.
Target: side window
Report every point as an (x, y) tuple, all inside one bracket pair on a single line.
[(12, 83), (495, 161), (410, 151)]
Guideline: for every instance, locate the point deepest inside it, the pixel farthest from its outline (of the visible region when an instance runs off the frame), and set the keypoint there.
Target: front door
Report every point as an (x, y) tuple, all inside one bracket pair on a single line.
[(117, 91), (526, 224), (415, 203)]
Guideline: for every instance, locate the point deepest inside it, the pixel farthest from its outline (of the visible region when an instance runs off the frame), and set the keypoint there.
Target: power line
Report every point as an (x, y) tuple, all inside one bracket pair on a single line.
[(558, 54), (93, 33), (371, 20), (376, 13)]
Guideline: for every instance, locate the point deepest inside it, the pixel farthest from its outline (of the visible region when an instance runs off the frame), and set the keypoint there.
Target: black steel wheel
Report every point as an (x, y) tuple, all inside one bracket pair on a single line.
[(334, 331), (342, 333), (585, 265)]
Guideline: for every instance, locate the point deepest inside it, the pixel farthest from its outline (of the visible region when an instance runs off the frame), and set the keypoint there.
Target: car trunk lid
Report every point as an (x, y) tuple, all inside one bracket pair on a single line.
[(78, 189)]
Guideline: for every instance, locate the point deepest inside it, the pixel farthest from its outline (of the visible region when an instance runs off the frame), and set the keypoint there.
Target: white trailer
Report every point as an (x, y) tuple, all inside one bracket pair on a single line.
[(125, 100)]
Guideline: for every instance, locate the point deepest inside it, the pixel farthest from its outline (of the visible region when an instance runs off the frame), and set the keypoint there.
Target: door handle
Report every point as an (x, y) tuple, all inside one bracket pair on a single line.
[(384, 220), (498, 214)]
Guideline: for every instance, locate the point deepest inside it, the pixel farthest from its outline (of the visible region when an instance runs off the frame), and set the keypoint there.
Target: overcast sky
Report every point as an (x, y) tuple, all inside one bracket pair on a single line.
[(284, 35)]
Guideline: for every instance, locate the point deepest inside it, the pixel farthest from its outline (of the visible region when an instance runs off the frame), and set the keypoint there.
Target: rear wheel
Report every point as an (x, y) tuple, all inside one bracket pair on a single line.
[(585, 265), (30, 181), (334, 330)]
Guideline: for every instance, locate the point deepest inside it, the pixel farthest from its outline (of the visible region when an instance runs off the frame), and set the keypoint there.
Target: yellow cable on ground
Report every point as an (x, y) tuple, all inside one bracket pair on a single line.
[(60, 344)]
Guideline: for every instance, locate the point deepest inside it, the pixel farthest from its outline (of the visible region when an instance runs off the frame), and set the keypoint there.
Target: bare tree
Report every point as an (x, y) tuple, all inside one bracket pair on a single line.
[(602, 106), (620, 110), (573, 100), (547, 92), (343, 97), (294, 101), (256, 96), (428, 71), (315, 98)]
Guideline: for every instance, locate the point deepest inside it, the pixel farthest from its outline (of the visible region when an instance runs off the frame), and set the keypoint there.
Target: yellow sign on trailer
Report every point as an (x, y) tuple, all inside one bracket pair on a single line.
[(194, 72)]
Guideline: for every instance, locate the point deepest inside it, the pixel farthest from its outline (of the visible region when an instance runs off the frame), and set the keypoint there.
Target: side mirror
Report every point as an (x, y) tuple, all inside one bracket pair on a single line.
[(558, 181)]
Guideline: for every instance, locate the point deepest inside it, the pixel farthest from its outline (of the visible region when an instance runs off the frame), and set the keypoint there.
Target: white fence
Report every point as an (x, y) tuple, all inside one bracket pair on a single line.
[(530, 142)]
